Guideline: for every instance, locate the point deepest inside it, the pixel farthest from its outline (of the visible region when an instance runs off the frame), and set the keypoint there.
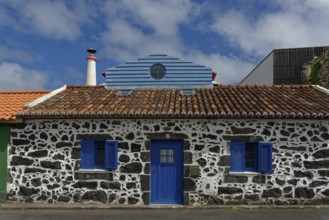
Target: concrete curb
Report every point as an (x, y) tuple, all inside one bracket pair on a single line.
[(34, 206)]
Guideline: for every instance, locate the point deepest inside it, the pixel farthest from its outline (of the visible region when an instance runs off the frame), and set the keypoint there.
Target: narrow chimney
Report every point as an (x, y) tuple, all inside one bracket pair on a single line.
[(91, 68)]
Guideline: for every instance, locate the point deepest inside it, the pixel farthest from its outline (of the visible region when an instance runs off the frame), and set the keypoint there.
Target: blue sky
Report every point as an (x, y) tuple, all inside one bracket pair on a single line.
[(43, 43)]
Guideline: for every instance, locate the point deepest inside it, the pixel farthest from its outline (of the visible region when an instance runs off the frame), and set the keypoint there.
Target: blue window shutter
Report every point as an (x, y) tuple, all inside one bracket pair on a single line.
[(111, 155), (237, 156), (87, 154), (265, 157)]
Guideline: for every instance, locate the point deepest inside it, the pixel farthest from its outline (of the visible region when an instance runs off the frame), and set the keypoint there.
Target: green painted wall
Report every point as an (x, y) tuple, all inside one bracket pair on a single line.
[(4, 139)]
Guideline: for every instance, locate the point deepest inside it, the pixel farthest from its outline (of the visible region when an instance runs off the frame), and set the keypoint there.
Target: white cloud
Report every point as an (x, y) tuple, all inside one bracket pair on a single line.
[(15, 77), (52, 19), (16, 55), (294, 24)]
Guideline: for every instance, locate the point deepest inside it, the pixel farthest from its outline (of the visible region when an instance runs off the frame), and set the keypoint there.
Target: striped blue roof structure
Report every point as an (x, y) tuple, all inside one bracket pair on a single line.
[(178, 74)]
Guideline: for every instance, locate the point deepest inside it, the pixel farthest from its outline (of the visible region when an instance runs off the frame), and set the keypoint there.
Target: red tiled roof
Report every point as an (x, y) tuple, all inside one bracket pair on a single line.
[(293, 101), (13, 102)]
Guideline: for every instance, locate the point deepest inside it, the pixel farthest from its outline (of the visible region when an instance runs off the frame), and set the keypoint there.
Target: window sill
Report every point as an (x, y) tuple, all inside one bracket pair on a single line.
[(93, 171), (244, 173)]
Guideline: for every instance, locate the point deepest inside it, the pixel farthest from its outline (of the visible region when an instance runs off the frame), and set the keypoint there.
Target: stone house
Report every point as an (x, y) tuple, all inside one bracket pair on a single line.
[(11, 103), (160, 132)]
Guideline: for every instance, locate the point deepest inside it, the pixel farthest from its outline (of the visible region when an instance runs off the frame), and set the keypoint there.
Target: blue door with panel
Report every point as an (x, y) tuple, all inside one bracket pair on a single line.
[(167, 172)]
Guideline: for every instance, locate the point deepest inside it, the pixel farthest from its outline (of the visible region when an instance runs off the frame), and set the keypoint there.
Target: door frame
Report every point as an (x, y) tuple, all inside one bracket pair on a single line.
[(179, 199)]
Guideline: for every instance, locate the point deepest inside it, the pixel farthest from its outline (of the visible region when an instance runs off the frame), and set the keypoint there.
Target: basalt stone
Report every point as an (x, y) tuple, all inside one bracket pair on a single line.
[(56, 165), (145, 182), (63, 144), (280, 182), (321, 154), (323, 129), (135, 147), (17, 161), (112, 197), (124, 158), (123, 145), (40, 153), (318, 183), (146, 198), (93, 175), (111, 185), (296, 164), (189, 184), (133, 167), (95, 137), (130, 136), (36, 182), (42, 198), (176, 128), (147, 168), (303, 139), (63, 198), (285, 133), (235, 179), (252, 197), (324, 173), (219, 131), (236, 130), (44, 136), (212, 200), (76, 154), (214, 149), (187, 145), (132, 200), (34, 170), (131, 185), (224, 160), (164, 135), (24, 191), (97, 196), (122, 200), (58, 157), (293, 182), (259, 179), (315, 139), (202, 162), (54, 186), (210, 136), (145, 156), (303, 192), (18, 142), (287, 189), (276, 192), (325, 136), (316, 164), (188, 157), (229, 190), (307, 174), (85, 184), (198, 147), (266, 132), (325, 192)]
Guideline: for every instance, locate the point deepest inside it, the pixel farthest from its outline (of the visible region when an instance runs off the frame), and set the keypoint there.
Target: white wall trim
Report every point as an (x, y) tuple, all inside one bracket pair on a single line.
[(45, 97)]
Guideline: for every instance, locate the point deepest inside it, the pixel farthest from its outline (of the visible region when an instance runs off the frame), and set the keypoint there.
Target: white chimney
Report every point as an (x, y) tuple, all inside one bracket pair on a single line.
[(91, 68)]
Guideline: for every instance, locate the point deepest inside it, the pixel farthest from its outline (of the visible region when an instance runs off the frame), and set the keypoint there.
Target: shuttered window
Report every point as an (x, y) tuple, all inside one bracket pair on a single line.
[(99, 155), (251, 156)]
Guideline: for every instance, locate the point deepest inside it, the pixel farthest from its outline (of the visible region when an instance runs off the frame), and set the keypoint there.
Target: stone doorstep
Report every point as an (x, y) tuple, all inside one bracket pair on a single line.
[(63, 206)]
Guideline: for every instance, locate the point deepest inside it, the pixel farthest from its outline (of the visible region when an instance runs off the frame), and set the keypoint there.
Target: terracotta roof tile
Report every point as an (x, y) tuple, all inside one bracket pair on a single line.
[(231, 101), (13, 102)]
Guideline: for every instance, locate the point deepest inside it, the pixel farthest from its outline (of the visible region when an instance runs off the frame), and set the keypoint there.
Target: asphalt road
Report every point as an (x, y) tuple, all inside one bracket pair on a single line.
[(159, 214)]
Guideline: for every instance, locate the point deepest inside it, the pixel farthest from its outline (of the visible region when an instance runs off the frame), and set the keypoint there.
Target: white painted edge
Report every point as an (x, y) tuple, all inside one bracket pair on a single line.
[(45, 97), (244, 173), (322, 89)]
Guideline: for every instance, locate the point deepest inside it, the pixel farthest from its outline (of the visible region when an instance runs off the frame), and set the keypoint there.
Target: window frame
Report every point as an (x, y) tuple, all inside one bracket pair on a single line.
[(262, 157), (89, 155)]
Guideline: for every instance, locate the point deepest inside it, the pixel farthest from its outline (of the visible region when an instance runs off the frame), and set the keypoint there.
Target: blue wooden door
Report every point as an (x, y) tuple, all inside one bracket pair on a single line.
[(167, 172)]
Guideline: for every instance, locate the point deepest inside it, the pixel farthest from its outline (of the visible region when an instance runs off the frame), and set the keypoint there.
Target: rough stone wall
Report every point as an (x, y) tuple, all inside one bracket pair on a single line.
[(44, 161)]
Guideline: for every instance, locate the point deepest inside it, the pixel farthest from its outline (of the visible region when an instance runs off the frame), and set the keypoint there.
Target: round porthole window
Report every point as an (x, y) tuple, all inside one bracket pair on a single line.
[(157, 71)]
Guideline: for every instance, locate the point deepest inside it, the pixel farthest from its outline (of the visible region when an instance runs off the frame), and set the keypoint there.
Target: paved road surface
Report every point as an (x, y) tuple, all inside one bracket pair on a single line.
[(159, 214)]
